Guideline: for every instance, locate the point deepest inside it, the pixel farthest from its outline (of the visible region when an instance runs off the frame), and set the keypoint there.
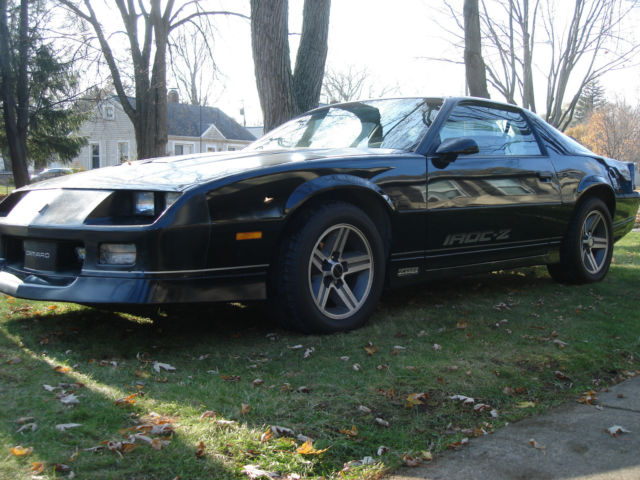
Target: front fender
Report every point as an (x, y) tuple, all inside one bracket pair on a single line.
[(328, 183)]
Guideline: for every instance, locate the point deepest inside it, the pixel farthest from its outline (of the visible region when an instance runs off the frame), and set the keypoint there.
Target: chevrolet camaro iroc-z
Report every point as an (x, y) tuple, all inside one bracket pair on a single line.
[(322, 213)]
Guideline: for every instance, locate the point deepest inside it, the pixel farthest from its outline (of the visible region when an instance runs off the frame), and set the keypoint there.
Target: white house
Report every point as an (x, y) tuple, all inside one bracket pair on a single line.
[(191, 129)]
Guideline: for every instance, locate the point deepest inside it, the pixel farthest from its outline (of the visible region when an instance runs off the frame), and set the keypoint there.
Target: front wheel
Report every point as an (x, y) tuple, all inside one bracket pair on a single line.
[(588, 246), (331, 270)]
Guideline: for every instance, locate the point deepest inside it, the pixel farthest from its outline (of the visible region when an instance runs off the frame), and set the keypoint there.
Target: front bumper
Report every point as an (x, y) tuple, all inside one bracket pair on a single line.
[(137, 288)]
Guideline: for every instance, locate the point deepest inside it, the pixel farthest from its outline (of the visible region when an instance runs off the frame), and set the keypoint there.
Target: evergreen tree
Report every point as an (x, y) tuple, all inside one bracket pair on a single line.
[(36, 89), (590, 100)]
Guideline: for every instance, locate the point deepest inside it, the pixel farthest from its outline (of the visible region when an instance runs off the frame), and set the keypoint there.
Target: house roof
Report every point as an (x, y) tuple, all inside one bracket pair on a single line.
[(186, 120)]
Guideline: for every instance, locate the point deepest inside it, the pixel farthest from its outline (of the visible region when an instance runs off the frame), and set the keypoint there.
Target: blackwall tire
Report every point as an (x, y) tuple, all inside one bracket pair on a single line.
[(586, 252), (330, 271)]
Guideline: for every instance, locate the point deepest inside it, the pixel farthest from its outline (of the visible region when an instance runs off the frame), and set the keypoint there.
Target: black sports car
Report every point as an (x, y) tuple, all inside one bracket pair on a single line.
[(323, 212)]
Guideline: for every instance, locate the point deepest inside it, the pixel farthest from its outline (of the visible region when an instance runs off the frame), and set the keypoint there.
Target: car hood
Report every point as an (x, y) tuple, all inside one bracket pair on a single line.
[(178, 173)]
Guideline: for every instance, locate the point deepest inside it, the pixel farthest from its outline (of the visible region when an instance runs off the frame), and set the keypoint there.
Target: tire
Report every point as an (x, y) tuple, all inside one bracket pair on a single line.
[(330, 271), (587, 248)]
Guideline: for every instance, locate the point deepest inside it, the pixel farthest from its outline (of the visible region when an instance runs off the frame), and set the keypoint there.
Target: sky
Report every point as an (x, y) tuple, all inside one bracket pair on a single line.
[(394, 41)]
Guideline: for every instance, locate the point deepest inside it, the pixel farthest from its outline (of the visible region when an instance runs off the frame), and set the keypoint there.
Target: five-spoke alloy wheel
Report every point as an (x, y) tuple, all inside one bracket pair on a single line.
[(586, 252), (330, 271)]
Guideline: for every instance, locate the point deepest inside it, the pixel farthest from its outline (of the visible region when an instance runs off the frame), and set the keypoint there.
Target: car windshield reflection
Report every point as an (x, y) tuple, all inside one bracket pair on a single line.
[(398, 124)]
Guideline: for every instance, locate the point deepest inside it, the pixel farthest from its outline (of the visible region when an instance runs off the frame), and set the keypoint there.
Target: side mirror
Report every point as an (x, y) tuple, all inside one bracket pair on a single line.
[(450, 148)]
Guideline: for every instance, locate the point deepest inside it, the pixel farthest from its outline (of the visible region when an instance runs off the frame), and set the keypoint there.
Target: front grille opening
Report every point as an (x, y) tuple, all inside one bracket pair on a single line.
[(42, 255)]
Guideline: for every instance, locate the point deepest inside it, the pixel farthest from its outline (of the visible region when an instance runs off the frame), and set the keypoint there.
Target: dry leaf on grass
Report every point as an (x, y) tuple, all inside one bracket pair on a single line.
[(588, 397), (20, 451), (63, 427), (382, 422), (417, 399), (200, 450), (245, 408), (164, 366), (62, 369), (130, 400), (463, 399), (350, 432), (70, 399), (254, 472), (27, 426), (307, 449), (36, 468), (525, 404)]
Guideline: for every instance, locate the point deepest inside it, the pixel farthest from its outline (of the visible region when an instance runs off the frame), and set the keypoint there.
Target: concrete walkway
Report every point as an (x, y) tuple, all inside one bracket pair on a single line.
[(576, 445)]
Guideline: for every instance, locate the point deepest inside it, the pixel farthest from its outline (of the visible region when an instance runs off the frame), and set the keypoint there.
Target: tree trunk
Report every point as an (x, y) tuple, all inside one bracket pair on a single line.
[(283, 94), (474, 64), (15, 112), (270, 45), (312, 54)]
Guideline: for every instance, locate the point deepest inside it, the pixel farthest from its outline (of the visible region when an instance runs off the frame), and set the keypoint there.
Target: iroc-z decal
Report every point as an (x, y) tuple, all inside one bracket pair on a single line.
[(471, 238)]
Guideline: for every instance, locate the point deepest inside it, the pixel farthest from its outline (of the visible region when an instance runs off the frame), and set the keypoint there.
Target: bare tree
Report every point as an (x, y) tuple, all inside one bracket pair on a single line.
[(148, 27), (351, 84), (473, 62), (192, 64), (524, 36), (285, 93)]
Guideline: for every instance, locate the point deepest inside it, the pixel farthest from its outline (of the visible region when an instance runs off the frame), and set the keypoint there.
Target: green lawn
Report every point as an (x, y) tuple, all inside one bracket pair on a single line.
[(515, 341)]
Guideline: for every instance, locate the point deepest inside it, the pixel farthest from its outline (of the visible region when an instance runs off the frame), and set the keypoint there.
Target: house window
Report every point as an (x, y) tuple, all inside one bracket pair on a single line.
[(109, 112), (212, 148), (232, 149), (123, 152), (182, 148), (95, 155)]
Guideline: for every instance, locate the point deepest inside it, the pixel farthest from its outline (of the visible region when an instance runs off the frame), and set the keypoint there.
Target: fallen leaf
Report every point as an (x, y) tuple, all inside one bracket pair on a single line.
[(364, 409), (616, 430), (370, 349), (37, 468), (257, 382), (69, 399), (208, 414), (417, 399), (63, 427), (62, 369), (130, 400), (460, 325), (463, 399), (231, 378), (458, 445), (410, 461), (279, 431), (22, 420), (200, 450), (525, 405), (382, 422), (382, 450), (254, 472), (428, 456), (588, 397), (437, 347), (164, 366), (536, 445), (350, 432), (561, 376), (266, 436), (481, 407), (356, 367), (308, 352), (307, 449), (27, 426), (20, 451), (159, 443), (303, 389), (245, 408)]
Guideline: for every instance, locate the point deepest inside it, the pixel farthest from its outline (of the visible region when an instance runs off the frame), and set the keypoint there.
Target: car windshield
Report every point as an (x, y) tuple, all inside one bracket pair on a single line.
[(397, 124)]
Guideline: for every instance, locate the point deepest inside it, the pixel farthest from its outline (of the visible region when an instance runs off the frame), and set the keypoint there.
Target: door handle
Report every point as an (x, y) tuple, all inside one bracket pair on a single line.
[(545, 176)]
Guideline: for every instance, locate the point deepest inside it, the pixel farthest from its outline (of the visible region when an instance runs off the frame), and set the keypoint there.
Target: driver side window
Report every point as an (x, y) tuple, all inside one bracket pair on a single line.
[(497, 132)]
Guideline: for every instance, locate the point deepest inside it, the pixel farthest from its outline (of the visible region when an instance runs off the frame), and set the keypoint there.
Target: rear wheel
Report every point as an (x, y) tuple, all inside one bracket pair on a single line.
[(587, 248), (331, 270)]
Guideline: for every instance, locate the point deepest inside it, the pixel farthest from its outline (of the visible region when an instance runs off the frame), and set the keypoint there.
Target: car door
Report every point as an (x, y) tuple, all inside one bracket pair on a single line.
[(495, 205)]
